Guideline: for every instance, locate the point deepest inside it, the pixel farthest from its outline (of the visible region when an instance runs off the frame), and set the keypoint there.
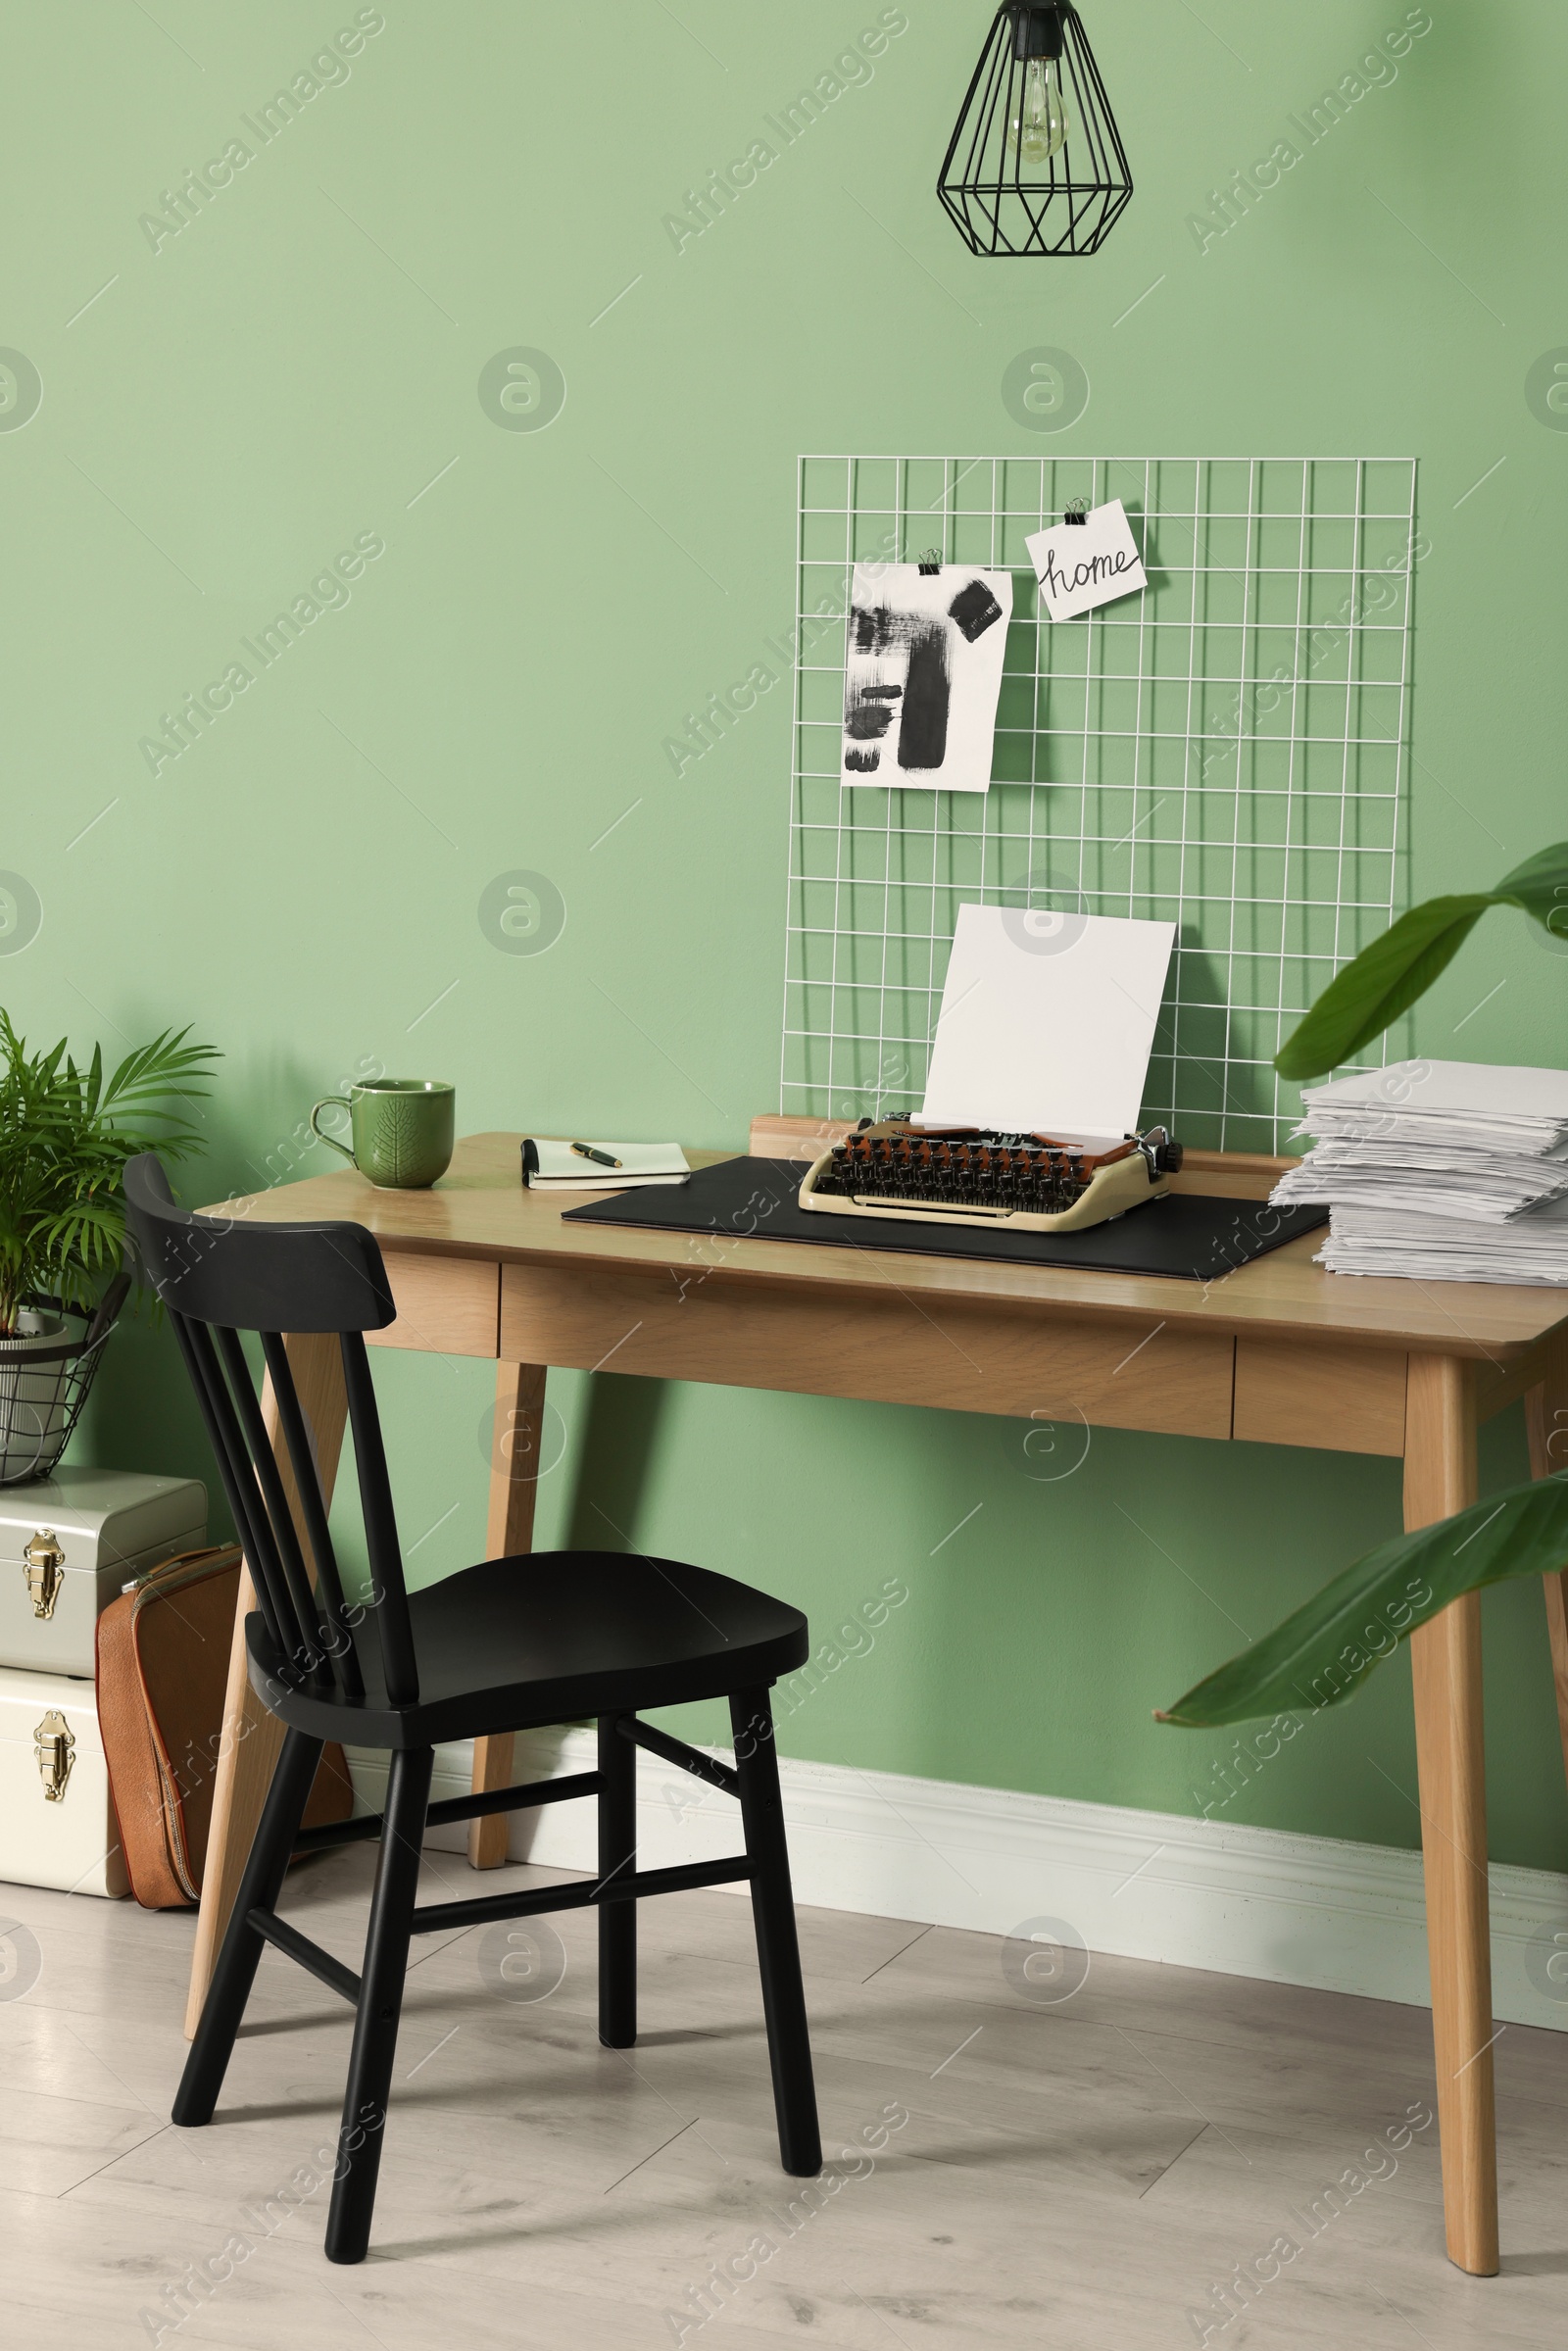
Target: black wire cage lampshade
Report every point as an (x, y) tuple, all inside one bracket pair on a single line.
[(1036, 167)]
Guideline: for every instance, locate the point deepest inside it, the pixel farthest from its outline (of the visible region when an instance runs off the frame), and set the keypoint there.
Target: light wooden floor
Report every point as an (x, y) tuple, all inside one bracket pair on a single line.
[(1076, 2176)]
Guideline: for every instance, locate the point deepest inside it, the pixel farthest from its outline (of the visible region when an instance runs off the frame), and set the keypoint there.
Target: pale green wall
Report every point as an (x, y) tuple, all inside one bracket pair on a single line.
[(240, 403)]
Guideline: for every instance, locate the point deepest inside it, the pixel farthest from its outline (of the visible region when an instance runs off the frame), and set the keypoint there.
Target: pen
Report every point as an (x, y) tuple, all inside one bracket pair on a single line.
[(585, 1151)]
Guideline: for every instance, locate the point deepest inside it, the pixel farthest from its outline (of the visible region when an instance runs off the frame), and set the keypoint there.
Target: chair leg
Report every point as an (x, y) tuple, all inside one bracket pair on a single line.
[(617, 1857), (375, 2022), (237, 1961), (778, 1953)]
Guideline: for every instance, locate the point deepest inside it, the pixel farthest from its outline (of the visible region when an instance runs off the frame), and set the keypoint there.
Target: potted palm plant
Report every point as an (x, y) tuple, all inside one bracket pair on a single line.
[(66, 1133)]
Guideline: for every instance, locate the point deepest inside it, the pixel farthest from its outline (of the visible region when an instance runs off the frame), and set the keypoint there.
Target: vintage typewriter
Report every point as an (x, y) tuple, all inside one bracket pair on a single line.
[(972, 1175)]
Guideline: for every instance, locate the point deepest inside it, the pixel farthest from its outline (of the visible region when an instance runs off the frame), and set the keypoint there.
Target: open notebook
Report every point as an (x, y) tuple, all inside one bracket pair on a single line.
[(550, 1166)]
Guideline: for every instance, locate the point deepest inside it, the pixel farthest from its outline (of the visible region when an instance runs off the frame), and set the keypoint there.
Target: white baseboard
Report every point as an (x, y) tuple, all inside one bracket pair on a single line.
[(1242, 1901)]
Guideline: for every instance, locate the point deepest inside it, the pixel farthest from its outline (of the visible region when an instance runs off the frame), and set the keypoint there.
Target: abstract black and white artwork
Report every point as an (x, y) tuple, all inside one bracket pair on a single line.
[(922, 674)]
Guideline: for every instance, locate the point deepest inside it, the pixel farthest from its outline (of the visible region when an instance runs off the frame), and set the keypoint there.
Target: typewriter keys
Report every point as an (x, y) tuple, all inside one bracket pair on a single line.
[(972, 1175)]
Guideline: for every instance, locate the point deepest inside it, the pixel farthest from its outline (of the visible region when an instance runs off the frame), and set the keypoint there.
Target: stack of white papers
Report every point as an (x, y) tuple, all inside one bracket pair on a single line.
[(1443, 1171), (1449, 1248)]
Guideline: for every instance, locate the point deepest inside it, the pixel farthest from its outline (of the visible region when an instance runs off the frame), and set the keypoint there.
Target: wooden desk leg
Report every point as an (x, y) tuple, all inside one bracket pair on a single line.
[(252, 1738), (1547, 1417), (515, 1446), (1440, 1478)]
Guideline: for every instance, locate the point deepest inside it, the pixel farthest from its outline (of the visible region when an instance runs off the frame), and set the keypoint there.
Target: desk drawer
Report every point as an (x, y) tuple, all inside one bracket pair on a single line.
[(445, 1305), (818, 1342), (1350, 1399)]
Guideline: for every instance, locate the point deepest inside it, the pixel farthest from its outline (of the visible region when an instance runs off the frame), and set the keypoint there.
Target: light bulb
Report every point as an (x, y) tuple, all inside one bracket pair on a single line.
[(1039, 129)]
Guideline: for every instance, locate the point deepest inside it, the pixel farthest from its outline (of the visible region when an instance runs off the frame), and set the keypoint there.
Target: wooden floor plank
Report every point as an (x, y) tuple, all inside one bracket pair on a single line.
[(1083, 2174)]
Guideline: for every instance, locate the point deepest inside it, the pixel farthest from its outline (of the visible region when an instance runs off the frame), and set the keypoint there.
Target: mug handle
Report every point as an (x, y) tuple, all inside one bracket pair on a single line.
[(328, 1139)]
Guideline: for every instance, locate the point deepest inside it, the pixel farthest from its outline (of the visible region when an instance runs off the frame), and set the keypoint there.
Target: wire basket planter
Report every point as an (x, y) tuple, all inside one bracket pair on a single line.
[(44, 1379)]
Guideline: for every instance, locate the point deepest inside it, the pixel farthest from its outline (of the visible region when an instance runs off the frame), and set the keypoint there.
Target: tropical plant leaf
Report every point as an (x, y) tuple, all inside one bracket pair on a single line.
[(157, 1072), (1322, 1655), (1540, 887), (1388, 977)]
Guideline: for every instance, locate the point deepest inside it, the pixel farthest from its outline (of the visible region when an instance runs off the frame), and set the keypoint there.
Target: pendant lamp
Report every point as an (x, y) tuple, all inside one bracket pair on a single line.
[(1036, 167)]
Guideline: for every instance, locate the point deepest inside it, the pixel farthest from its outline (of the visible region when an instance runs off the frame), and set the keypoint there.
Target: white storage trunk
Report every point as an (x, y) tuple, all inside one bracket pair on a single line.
[(69, 1545), (49, 1742)]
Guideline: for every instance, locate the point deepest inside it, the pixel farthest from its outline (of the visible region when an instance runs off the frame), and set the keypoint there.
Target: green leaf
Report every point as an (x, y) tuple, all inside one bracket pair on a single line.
[(1540, 887), (156, 1071), (1388, 977), (1322, 1655), (1385, 980)]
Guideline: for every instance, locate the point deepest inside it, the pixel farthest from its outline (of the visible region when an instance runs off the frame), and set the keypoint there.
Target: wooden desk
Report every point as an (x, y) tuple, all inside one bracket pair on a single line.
[(1276, 1353)]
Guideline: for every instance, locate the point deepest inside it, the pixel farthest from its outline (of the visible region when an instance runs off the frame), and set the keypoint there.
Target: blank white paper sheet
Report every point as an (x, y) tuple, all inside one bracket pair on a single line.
[(1046, 1022)]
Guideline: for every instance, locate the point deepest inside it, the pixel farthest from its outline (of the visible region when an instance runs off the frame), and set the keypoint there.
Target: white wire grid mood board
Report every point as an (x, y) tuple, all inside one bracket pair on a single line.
[(1225, 751)]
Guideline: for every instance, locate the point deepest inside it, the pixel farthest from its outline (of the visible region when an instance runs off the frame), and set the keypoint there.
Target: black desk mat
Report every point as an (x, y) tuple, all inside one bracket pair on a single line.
[(1191, 1236)]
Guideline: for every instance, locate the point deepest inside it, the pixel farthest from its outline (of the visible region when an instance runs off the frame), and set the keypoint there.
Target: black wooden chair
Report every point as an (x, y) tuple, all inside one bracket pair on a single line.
[(510, 1644)]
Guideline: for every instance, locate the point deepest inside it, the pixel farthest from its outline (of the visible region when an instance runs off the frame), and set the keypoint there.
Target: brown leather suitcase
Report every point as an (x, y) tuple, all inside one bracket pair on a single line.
[(163, 1667)]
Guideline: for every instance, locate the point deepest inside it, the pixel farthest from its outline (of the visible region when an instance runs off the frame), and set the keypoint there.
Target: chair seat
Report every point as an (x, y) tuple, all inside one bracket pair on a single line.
[(547, 1636)]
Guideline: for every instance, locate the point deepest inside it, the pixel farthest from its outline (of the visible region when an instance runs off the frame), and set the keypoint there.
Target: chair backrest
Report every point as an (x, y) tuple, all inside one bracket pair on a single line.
[(219, 1276)]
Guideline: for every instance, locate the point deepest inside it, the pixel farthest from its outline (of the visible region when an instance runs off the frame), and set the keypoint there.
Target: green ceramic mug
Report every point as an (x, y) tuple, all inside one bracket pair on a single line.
[(402, 1130)]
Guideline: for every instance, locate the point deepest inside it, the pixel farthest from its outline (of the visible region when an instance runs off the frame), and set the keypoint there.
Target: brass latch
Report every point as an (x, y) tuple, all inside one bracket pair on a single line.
[(54, 1744), (42, 1562)]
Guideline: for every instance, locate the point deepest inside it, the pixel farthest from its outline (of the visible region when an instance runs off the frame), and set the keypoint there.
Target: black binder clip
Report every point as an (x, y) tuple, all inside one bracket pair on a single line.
[(930, 562), (1077, 511)]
